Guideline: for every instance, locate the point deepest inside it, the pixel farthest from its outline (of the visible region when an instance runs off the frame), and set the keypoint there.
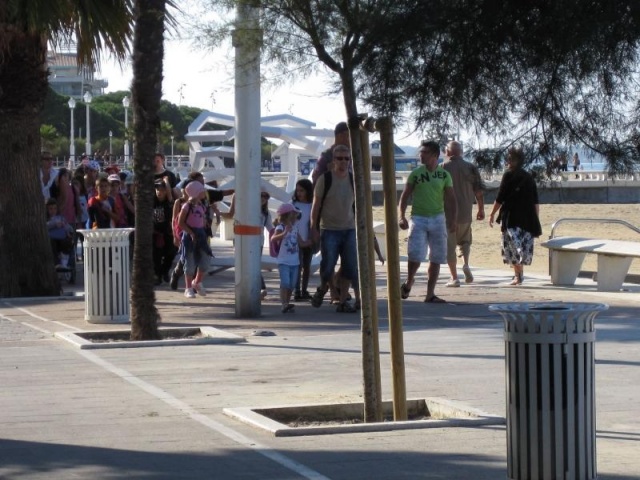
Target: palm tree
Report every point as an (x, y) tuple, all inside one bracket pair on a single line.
[(148, 56), (48, 136), (27, 27)]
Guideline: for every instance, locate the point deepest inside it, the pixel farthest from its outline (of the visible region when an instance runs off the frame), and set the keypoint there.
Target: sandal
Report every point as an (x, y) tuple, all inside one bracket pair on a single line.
[(337, 293), (288, 308), (318, 297), (345, 307), (405, 290), (434, 299)]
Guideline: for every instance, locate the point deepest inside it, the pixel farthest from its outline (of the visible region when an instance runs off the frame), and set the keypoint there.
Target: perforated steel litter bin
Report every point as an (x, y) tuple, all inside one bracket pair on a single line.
[(107, 276), (550, 387)]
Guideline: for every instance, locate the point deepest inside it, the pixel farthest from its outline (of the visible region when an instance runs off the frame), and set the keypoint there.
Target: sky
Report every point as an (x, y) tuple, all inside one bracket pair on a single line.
[(196, 78)]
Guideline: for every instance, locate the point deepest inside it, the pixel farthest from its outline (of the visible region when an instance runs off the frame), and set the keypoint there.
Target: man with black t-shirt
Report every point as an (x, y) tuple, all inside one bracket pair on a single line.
[(161, 174)]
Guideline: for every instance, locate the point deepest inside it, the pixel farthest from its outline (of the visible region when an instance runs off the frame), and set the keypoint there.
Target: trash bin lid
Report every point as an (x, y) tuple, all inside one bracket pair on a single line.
[(547, 307)]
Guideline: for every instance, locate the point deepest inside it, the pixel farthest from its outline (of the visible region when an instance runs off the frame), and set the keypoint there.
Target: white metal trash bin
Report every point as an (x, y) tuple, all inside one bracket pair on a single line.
[(550, 387), (107, 275)]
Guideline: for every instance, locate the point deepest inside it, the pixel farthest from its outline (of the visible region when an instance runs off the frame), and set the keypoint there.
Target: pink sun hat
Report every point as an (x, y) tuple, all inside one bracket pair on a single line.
[(194, 189), (286, 208)]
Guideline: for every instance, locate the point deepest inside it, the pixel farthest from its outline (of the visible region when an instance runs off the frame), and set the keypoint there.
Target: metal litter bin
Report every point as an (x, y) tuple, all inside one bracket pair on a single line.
[(550, 387), (107, 275)]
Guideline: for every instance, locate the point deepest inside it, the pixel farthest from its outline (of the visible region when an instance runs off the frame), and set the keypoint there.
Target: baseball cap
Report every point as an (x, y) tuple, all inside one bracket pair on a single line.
[(114, 177), (93, 165)]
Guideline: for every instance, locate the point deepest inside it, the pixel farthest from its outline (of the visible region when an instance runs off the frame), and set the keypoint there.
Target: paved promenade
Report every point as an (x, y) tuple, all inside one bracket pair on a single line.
[(157, 413)]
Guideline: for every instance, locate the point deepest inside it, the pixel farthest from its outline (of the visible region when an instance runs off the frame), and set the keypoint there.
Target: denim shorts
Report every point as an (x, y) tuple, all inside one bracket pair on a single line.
[(341, 244), (428, 232), (190, 264), (288, 275)]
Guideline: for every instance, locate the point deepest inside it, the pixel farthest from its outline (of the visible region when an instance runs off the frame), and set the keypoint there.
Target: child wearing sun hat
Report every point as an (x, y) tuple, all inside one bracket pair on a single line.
[(194, 248), (288, 238)]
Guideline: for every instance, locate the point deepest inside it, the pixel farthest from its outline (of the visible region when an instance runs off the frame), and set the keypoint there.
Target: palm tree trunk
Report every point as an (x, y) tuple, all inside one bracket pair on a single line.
[(148, 56), (26, 258)]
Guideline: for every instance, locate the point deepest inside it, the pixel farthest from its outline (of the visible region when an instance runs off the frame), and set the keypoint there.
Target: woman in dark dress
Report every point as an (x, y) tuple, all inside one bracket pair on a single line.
[(517, 202)]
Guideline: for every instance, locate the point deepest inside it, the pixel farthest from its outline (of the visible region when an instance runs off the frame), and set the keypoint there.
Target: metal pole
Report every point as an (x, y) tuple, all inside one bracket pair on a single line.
[(385, 127), (72, 142), (87, 101), (110, 143), (125, 104), (248, 228)]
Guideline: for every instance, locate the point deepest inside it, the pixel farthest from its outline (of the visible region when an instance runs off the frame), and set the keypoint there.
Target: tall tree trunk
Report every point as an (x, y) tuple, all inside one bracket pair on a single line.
[(148, 56), (369, 326), (26, 257)]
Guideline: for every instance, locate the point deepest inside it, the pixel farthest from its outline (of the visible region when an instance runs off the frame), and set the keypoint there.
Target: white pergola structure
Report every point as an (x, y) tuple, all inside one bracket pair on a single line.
[(299, 136)]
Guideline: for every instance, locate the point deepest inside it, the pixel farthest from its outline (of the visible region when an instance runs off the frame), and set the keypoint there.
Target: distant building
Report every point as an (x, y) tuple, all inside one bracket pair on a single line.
[(69, 79), (404, 161)]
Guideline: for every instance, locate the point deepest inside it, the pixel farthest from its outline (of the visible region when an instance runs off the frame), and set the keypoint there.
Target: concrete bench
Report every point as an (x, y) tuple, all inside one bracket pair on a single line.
[(614, 259)]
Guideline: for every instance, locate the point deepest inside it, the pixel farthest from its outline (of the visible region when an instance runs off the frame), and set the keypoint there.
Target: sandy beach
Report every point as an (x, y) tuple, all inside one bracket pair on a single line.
[(485, 251)]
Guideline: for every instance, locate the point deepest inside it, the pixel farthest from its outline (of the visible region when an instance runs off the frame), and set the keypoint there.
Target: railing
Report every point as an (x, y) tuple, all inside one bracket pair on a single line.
[(570, 176), (592, 220)]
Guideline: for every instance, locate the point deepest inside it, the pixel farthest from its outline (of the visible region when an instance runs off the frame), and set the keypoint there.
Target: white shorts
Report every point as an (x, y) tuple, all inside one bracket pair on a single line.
[(431, 233)]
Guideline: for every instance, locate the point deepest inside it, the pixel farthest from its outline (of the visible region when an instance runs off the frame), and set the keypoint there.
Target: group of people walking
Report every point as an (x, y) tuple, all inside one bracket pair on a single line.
[(320, 216), (442, 214)]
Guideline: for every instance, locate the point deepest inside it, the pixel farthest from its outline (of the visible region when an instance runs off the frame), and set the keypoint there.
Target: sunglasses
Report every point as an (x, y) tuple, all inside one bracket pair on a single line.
[(265, 195), (342, 158)]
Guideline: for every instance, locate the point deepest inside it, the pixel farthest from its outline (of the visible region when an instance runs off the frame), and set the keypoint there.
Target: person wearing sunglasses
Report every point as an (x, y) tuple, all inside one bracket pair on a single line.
[(333, 225)]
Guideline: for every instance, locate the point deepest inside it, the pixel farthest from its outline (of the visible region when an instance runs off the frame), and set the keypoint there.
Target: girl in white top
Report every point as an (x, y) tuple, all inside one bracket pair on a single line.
[(287, 235), (302, 200)]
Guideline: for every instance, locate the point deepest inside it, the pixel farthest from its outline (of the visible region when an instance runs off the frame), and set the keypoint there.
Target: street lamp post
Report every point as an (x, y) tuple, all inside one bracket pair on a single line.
[(125, 104), (87, 99), (110, 144), (72, 143), (172, 148)]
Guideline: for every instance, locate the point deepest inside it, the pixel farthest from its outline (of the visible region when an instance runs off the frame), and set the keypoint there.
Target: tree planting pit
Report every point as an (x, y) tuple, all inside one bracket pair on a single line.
[(170, 337), (324, 419)]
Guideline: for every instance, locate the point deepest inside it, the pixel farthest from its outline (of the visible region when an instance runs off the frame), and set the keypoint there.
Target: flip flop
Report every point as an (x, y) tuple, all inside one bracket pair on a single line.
[(434, 299), (405, 290), (288, 308)]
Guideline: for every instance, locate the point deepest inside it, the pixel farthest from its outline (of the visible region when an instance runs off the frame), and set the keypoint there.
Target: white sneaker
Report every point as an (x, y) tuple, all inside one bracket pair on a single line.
[(189, 293), (200, 290), (468, 276), (263, 293), (453, 283)]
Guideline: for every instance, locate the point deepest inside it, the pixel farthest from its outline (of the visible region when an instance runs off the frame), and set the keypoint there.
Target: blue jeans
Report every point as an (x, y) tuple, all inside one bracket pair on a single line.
[(341, 244), (288, 275)]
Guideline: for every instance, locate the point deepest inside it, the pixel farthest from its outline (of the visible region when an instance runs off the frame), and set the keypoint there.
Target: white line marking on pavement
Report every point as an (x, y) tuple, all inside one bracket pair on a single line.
[(203, 419), (37, 328), (172, 401), (4, 317), (31, 314)]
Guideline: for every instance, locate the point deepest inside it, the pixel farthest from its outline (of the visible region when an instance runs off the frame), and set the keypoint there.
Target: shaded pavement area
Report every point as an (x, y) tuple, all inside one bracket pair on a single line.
[(156, 413)]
